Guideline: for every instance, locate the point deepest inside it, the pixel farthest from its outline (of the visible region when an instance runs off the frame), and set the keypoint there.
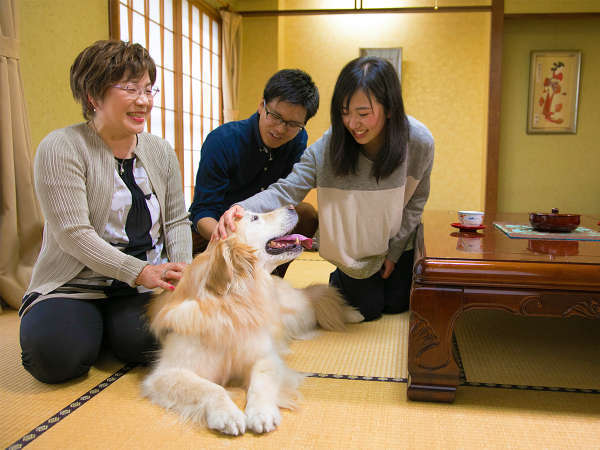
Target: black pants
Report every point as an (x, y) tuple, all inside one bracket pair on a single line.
[(62, 337), (375, 296)]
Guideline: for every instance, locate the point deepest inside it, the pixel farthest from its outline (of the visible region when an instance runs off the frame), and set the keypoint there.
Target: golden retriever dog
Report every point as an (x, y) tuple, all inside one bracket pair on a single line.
[(229, 321)]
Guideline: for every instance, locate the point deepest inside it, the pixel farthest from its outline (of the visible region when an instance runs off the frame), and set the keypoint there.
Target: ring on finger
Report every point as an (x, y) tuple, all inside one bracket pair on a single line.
[(163, 275)]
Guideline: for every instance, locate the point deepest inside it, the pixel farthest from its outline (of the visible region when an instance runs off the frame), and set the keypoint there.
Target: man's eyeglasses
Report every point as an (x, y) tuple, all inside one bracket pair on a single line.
[(134, 92), (277, 120)]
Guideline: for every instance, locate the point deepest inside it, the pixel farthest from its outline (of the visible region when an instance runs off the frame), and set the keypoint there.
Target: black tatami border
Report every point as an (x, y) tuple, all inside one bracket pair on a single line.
[(338, 376), (463, 382), (519, 387), (60, 415)]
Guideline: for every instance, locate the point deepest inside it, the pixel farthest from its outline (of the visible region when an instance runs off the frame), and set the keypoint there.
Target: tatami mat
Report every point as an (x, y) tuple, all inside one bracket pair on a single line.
[(25, 402), (370, 349), (498, 347), (309, 268), (343, 414)]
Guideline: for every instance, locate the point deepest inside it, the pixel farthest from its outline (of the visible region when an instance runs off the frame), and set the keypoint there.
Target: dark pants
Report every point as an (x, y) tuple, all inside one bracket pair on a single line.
[(375, 296), (308, 222), (61, 337)]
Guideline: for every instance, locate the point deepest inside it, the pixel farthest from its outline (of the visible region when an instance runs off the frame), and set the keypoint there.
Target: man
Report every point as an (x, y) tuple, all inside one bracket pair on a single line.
[(242, 158)]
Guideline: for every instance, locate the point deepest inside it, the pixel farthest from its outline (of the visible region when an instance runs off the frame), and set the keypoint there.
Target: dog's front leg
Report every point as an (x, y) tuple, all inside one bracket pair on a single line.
[(195, 398), (262, 410)]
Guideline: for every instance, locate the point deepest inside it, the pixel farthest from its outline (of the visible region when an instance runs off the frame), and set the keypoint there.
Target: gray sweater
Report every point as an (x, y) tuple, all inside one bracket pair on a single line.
[(73, 172), (361, 221)]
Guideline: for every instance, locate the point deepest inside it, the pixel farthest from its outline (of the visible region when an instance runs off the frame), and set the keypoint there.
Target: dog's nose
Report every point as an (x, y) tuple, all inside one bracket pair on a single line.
[(291, 207)]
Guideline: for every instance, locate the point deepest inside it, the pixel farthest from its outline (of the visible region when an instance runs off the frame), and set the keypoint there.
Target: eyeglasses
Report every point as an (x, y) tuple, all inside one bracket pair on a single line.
[(277, 120), (134, 92)]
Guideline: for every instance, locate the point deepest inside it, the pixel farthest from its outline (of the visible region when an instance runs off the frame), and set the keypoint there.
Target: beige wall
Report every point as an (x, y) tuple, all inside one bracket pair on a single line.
[(550, 6), (444, 82), (538, 172), (52, 33), (444, 74), (258, 61)]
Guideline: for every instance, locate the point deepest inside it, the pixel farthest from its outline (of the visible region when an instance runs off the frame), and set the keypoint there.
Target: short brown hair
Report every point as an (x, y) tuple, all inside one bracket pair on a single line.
[(104, 63)]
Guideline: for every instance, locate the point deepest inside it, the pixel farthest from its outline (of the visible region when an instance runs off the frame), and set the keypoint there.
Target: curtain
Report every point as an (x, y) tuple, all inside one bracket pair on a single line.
[(231, 62), (21, 221)]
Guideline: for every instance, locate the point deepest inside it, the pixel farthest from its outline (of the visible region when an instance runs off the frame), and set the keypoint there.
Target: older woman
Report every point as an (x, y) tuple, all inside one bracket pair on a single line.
[(116, 223)]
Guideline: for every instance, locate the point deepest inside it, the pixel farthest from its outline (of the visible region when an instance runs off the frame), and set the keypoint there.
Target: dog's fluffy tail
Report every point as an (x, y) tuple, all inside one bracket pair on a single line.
[(331, 311)]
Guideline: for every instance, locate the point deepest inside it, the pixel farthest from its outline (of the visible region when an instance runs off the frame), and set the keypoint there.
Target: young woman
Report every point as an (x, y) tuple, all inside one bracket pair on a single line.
[(116, 223), (371, 170)]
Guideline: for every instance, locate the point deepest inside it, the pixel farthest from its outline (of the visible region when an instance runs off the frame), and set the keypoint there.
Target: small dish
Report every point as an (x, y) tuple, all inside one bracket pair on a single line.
[(467, 228), (562, 223)]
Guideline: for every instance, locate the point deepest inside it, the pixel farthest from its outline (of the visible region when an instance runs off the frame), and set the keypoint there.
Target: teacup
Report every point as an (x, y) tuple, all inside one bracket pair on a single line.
[(470, 218)]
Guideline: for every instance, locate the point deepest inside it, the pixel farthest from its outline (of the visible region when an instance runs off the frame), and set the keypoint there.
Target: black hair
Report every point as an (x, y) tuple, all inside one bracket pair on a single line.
[(377, 78), (293, 86)]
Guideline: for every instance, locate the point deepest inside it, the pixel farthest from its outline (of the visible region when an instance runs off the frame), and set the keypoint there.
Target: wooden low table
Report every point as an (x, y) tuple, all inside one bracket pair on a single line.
[(456, 272)]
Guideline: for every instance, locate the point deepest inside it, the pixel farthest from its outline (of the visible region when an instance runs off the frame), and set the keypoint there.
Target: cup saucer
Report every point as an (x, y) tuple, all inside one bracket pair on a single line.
[(467, 228)]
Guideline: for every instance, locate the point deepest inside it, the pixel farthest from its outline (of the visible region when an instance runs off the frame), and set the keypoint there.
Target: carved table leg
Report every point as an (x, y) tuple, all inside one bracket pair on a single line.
[(433, 372)]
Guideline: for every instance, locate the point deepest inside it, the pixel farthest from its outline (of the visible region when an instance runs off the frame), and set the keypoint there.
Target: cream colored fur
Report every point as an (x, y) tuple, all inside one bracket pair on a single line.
[(228, 323)]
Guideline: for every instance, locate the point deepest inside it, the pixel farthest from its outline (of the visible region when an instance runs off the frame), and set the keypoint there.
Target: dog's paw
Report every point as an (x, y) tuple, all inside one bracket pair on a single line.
[(352, 315), (229, 420), (264, 419)]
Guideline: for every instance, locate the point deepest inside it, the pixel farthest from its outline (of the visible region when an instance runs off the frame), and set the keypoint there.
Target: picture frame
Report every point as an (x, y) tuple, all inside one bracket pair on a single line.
[(554, 78), (393, 55)]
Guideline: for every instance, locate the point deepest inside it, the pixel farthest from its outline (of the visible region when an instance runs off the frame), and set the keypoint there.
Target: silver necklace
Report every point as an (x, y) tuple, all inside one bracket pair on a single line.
[(120, 162)]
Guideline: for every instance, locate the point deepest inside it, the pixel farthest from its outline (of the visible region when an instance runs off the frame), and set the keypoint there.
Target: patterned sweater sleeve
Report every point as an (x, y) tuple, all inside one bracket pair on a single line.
[(60, 182), (293, 188), (423, 149)]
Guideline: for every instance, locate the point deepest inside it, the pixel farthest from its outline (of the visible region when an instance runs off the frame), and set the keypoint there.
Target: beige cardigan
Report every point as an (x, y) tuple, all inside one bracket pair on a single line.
[(73, 174)]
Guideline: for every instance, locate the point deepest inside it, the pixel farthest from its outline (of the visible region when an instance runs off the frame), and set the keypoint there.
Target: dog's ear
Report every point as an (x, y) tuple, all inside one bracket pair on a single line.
[(229, 258), (243, 259), (220, 273)]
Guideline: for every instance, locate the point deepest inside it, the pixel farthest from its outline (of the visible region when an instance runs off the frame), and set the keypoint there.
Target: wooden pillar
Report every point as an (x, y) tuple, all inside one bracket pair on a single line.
[(495, 99)]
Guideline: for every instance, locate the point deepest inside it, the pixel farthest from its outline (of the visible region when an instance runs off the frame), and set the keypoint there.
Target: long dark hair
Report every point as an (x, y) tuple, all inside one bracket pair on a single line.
[(377, 78)]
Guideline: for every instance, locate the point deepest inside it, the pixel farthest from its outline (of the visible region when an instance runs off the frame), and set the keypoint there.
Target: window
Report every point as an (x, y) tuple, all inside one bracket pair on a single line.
[(184, 39)]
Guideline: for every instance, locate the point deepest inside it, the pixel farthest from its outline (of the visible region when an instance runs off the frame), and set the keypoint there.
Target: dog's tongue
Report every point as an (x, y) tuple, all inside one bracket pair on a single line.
[(295, 238)]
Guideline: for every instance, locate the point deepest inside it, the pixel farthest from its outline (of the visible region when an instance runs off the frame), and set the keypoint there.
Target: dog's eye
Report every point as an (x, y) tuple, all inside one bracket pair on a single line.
[(253, 218)]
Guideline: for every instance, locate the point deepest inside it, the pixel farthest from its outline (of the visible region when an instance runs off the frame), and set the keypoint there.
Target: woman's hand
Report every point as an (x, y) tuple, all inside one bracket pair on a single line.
[(153, 276), (227, 220), (387, 268)]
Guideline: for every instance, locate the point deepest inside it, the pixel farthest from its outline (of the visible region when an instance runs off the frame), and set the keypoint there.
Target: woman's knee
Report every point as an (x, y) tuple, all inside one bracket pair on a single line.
[(133, 346), (354, 292), (127, 330), (60, 339), (52, 360)]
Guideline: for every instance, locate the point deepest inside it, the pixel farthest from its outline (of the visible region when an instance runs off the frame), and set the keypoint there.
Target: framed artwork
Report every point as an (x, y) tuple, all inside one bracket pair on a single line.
[(553, 91), (393, 55)]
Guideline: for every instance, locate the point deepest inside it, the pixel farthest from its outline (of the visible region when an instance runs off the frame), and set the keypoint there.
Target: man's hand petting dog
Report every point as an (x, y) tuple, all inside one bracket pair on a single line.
[(227, 220)]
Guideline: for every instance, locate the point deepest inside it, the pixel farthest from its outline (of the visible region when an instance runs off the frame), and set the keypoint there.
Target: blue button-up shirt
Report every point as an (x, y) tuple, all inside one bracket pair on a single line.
[(235, 165)]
